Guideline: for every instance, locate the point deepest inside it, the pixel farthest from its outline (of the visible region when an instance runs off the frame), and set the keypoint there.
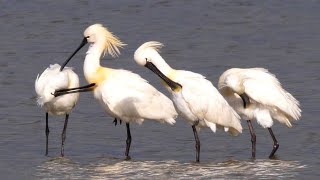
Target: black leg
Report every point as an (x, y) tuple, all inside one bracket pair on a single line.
[(197, 141), (115, 121), (47, 134), (128, 141), (275, 143), (63, 135), (253, 139)]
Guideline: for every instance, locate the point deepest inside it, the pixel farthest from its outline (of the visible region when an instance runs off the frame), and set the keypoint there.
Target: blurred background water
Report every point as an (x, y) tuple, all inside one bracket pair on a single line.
[(205, 36)]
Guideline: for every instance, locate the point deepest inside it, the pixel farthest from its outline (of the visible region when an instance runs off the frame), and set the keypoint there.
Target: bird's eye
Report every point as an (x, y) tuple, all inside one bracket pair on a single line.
[(147, 60), (87, 37)]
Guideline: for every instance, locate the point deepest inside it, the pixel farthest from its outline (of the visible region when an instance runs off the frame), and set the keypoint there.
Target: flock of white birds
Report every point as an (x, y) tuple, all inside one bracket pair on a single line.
[(248, 94)]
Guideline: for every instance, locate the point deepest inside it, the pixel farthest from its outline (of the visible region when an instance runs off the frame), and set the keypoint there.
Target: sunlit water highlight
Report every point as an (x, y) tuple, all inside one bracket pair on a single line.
[(204, 36), (119, 169)]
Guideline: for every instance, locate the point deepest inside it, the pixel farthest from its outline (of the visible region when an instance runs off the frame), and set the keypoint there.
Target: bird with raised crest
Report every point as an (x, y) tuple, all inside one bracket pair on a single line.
[(123, 95), (194, 97)]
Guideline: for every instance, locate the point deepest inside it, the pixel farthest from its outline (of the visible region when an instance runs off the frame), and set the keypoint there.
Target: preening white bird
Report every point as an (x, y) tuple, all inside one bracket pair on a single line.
[(123, 94), (194, 97), (256, 94), (52, 79)]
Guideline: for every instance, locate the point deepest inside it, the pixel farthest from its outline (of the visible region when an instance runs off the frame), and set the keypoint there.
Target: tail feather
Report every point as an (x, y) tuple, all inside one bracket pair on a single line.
[(234, 132), (211, 125), (171, 121)]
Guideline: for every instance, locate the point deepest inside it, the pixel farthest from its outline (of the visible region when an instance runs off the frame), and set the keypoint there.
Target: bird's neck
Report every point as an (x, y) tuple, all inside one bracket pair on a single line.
[(93, 71), (161, 64), (169, 72)]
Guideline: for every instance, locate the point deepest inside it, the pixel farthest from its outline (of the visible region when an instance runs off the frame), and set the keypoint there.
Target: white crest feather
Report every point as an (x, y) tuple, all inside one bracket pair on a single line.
[(112, 42), (155, 45)]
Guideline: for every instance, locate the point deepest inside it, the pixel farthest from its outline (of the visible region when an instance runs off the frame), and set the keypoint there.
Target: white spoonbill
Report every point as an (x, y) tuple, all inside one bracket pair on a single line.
[(123, 94), (257, 94), (194, 97), (52, 79)]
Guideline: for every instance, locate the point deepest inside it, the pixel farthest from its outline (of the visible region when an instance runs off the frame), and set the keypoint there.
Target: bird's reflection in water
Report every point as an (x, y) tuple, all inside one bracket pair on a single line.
[(118, 168)]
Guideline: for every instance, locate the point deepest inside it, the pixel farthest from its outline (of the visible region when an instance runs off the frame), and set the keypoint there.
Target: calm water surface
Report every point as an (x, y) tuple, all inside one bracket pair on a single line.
[(203, 36)]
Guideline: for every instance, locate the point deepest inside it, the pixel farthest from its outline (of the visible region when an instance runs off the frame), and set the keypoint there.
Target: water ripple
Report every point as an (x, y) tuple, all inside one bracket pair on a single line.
[(115, 168)]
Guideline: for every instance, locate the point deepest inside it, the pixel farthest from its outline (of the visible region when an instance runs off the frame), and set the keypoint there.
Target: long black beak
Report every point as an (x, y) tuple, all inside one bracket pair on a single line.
[(245, 99), (173, 85), (84, 42), (85, 88)]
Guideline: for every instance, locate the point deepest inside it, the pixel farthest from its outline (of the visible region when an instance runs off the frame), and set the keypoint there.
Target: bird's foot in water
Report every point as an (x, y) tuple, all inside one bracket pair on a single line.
[(127, 158)]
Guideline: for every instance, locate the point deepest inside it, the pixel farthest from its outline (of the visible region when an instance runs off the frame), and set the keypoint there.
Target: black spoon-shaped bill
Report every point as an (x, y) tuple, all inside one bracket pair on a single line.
[(84, 42)]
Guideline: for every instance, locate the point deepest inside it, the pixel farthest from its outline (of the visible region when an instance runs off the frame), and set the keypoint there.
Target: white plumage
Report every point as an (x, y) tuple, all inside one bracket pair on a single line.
[(46, 84), (200, 101), (194, 97), (123, 94), (268, 100), (53, 79), (127, 96)]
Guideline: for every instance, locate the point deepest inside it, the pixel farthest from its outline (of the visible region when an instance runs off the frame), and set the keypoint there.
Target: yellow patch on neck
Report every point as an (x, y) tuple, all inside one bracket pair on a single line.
[(99, 76), (177, 89), (165, 84), (171, 75)]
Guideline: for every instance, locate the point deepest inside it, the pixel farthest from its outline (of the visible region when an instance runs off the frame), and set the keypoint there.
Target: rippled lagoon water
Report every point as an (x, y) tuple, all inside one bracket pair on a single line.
[(119, 169), (207, 37)]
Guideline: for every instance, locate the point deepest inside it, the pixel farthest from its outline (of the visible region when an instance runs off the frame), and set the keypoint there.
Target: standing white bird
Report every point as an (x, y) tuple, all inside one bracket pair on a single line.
[(52, 79), (257, 94), (123, 94), (194, 97)]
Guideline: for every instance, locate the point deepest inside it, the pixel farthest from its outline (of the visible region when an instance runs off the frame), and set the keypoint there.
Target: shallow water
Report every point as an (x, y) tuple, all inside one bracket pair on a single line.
[(207, 37), (119, 169)]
